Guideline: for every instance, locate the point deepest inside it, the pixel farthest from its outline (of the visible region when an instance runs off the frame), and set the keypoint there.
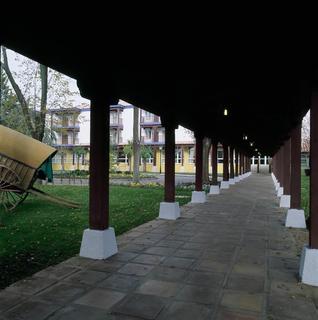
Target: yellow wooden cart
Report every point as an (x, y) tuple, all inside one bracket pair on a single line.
[(20, 160)]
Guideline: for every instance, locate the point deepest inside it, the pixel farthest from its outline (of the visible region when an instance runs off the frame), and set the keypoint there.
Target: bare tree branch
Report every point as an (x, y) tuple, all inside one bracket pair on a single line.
[(20, 96)]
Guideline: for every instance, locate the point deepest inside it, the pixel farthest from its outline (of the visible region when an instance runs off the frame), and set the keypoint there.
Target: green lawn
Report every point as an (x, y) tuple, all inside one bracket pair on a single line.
[(38, 234), (305, 193)]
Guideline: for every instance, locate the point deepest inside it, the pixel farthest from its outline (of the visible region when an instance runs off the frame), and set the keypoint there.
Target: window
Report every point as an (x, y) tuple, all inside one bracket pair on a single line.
[(122, 157), (113, 117), (148, 134), (220, 156), (57, 159), (191, 155), (178, 155)]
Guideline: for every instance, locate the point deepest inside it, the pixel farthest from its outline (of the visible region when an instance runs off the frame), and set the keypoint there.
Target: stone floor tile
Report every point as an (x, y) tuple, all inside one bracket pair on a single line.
[(120, 282), (159, 288), (149, 259), (9, 300), (106, 265), (178, 262), (142, 306), (31, 310), (245, 283), (123, 256), (184, 253), (186, 311), (168, 273), (101, 298), (163, 251), (226, 314), (291, 308), (212, 266), (87, 277), (243, 300), (199, 294), (31, 285), (80, 312), (57, 272), (62, 293), (213, 280), (135, 269), (249, 269), (170, 243)]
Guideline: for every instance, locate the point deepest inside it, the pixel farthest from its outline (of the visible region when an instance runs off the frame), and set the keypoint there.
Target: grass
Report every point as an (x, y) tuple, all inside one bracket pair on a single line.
[(39, 234), (305, 193)]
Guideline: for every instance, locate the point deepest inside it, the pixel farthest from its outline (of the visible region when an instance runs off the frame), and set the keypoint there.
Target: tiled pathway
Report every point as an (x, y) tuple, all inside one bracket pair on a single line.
[(230, 258)]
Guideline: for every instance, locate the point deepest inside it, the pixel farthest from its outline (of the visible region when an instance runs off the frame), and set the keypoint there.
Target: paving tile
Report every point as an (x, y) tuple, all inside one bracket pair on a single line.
[(9, 300), (291, 308), (31, 310), (31, 285), (142, 306), (136, 269), (183, 253), (213, 280), (62, 293), (163, 251), (120, 282), (178, 262), (159, 288), (123, 256), (242, 300), (170, 243), (106, 265), (80, 312), (199, 294), (186, 311), (246, 284), (168, 273), (78, 261), (57, 272), (101, 298), (249, 269), (87, 277), (212, 266), (224, 314), (149, 259)]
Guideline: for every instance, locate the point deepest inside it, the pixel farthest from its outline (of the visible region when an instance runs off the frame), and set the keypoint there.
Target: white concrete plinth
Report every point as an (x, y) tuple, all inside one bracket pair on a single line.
[(198, 197), (295, 219), (231, 181), (280, 192), (236, 179), (225, 185), (284, 201), (98, 244), (277, 186), (169, 210), (214, 190), (309, 266)]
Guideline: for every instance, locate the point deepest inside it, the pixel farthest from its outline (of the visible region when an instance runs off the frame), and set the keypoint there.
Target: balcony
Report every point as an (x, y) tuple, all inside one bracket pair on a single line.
[(150, 121), (116, 123)]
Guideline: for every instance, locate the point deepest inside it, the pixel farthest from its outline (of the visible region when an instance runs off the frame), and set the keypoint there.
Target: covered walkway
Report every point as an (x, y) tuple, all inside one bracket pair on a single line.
[(228, 258)]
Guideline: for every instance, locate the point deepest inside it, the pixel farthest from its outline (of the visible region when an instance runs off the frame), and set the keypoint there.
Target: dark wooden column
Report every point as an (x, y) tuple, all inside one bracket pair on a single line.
[(313, 231), (295, 168), (281, 166), (236, 163), (99, 166), (169, 162), (231, 162), (240, 165), (286, 167), (214, 163), (198, 162), (225, 162)]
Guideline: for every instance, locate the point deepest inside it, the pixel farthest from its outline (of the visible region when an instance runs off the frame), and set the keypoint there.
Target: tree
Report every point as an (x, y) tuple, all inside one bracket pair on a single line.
[(136, 145), (145, 154), (79, 151), (37, 88), (128, 150)]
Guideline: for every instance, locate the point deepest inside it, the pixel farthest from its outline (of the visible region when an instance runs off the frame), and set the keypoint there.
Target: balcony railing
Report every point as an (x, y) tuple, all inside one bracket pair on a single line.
[(116, 122)]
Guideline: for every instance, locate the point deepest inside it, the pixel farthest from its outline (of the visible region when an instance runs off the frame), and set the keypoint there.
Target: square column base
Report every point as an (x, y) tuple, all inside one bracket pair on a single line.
[(237, 179), (231, 181), (198, 197), (225, 185), (280, 192), (309, 266), (285, 201), (214, 189), (98, 244), (277, 186), (295, 219), (169, 210)]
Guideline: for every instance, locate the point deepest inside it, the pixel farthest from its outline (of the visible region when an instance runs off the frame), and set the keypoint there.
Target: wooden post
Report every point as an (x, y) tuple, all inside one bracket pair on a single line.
[(286, 167), (198, 162), (214, 163), (240, 166), (99, 166), (225, 162), (169, 162), (236, 163), (313, 230), (295, 178), (231, 162)]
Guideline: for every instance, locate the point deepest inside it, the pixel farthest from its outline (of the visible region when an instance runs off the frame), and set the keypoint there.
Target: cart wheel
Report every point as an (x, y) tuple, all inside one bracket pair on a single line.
[(10, 195)]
